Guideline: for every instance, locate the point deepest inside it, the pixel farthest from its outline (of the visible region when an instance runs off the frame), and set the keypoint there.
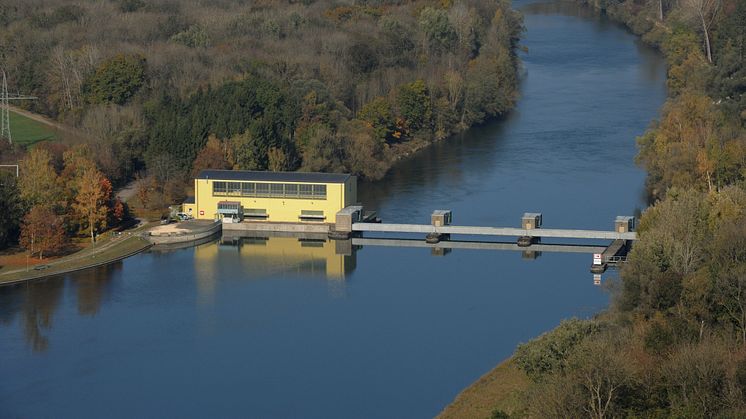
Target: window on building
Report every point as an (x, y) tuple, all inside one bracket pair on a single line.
[(262, 189), (218, 188), (319, 191), (305, 191), (233, 188), (277, 190), (274, 190), (248, 188)]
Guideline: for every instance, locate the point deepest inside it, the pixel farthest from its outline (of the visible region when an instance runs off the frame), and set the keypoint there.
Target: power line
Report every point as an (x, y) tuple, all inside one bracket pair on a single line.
[(5, 99)]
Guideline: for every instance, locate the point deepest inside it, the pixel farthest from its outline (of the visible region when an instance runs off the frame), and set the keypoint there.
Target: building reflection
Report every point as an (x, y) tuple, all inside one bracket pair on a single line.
[(262, 255)]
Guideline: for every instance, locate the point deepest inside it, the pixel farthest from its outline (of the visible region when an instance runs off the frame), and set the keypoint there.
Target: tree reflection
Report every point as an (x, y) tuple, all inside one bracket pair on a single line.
[(92, 285), (37, 301), (40, 302)]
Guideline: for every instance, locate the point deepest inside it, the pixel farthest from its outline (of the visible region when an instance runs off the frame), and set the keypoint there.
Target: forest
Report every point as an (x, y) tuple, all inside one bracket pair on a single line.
[(159, 89), (320, 85), (673, 343)]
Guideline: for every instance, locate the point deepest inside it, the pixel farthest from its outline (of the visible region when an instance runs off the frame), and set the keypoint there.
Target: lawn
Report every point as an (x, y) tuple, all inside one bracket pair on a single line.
[(26, 131)]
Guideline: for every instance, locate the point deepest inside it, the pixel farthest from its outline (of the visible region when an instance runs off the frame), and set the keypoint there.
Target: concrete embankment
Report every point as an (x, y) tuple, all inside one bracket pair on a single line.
[(114, 251), (249, 226), (185, 232)]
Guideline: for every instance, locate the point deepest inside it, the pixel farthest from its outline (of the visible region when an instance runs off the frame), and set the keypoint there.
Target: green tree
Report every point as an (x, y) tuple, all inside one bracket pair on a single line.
[(549, 352), (194, 37), (11, 209), (413, 105), (379, 115), (440, 36), (117, 79)]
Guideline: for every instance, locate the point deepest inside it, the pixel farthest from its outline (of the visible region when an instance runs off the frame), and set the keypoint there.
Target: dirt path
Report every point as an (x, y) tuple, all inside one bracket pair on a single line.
[(127, 192), (44, 120)]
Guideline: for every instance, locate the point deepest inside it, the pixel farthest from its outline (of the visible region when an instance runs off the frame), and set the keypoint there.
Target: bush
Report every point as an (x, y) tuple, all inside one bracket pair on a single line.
[(549, 352)]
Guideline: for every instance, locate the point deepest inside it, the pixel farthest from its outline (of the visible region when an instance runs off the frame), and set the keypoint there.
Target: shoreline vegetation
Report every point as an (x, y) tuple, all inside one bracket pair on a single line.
[(673, 342)]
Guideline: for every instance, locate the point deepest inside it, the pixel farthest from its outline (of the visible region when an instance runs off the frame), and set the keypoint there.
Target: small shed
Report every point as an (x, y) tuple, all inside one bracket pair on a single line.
[(440, 218), (531, 220), (624, 224), (347, 216)]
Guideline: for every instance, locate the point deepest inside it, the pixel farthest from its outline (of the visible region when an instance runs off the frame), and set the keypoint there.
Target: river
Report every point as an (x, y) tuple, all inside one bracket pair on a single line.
[(291, 328)]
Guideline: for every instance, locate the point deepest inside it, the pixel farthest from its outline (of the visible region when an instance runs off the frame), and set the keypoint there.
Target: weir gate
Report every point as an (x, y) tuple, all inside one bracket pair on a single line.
[(351, 222)]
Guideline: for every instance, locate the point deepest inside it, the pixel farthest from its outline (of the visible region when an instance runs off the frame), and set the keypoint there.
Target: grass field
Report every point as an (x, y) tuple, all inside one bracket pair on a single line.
[(26, 131)]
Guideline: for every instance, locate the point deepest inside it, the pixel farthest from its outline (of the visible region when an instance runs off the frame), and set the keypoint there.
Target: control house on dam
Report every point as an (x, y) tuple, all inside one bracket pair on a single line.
[(280, 197)]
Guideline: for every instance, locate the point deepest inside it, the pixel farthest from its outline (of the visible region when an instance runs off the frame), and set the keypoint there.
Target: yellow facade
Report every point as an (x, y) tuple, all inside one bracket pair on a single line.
[(291, 198)]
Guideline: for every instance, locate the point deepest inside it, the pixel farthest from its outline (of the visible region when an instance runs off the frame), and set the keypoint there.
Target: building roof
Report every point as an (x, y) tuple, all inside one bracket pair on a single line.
[(301, 177)]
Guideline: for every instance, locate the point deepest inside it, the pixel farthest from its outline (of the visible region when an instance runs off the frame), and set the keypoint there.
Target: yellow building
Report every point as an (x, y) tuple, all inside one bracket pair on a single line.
[(271, 196)]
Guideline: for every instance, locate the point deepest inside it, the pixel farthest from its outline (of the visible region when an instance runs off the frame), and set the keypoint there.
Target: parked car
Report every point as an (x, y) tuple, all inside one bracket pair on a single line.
[(182, 216)]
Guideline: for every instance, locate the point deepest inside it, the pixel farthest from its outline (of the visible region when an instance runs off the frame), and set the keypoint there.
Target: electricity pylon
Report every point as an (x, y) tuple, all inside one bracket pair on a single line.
[(5, 109)]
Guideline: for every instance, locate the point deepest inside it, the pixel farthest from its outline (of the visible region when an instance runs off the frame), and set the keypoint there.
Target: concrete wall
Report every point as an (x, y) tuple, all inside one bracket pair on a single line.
[(285, 210)]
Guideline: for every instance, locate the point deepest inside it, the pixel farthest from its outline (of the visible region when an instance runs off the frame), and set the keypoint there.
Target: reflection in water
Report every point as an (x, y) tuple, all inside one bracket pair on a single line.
[(273, 254), (33, 305), (36, 302), (92, 286)]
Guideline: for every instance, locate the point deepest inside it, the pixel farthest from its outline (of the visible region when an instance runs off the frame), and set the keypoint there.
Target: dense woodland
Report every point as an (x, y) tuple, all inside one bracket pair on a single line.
[(160, 89), (285, 85), (673, 343)]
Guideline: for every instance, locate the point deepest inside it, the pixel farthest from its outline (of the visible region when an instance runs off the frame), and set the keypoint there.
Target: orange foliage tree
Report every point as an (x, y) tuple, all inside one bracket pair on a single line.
[(213, 155), (42, 232), (91, 202)]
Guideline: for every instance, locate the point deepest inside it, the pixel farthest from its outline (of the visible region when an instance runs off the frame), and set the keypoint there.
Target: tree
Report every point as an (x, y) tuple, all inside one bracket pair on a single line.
[(42, 232), (194, 37), (11, 209), (212, 156), (705, 11), (602, 372), (379, 115), (94, 192), (413, 103), (38, 182), (277, 159), (439, 33), (117, 79), (250, 153)]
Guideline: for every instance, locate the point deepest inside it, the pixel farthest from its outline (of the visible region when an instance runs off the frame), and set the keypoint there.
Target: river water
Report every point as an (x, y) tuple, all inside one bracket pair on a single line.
[(282, 327)]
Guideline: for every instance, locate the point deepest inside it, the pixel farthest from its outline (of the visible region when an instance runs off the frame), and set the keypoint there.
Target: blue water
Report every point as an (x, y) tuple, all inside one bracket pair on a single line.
[(277, 329)]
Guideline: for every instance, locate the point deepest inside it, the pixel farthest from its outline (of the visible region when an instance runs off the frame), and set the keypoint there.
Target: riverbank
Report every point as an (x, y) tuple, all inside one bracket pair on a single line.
[(113, 250), (498, 390)]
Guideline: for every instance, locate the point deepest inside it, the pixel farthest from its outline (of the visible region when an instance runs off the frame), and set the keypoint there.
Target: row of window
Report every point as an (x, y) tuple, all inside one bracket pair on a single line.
[(269, 190)]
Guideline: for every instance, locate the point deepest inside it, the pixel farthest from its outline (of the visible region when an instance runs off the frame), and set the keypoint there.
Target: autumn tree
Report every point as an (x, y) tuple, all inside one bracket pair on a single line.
[(214, 155), (38, 182), (91, 202), (42, 232)]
